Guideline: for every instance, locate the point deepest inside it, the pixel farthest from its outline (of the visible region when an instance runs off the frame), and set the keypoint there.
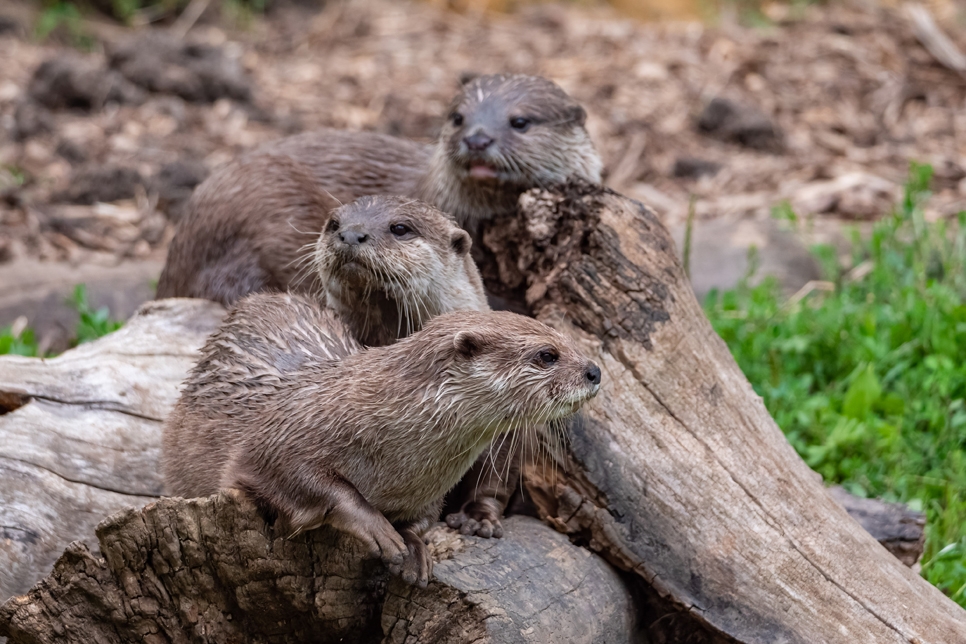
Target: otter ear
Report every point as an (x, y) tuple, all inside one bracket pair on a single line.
[(469, 344), (460, 242), (466, 77), (578, 114)]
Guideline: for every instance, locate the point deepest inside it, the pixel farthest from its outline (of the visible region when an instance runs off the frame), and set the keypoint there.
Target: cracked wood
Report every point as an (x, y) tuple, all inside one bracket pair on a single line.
[(676, 471), (81, 436)]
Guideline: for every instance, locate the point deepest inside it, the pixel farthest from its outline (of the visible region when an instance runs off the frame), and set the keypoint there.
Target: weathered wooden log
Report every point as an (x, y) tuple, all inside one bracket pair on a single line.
[(210, 570), (676, 471), (900, 529), (80, 434)]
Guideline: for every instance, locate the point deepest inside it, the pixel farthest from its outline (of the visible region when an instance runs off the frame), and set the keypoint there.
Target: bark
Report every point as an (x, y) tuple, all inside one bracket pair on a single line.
[(676, 472), (898, 528), (210, 570)]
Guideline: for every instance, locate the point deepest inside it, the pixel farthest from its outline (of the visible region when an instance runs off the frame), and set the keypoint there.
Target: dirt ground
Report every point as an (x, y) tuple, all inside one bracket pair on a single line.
[(824, 108)]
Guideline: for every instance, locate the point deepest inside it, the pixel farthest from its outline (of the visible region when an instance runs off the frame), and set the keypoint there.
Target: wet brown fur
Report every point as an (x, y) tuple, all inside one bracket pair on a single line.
[(554, 147), (242, 230), (385, 285), (285, 407), (383, 288)]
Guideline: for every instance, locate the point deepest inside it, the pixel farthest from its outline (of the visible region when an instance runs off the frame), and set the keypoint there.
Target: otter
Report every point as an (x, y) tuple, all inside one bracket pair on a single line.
[(288, 410), (503, 134), (387, 265), (384, 264)]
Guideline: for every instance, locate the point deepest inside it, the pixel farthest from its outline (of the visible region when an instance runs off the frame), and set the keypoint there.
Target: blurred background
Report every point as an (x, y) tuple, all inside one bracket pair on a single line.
[(809, 158)]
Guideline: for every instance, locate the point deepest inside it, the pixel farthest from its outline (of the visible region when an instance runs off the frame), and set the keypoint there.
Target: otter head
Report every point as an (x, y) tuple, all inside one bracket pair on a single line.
[(505, 134), (388, 264), (517, 372)]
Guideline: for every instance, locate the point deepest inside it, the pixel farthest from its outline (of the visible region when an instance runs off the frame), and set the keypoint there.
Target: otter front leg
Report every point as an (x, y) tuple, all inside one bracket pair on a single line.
[(485, 490), (329, 499), (418, 567)]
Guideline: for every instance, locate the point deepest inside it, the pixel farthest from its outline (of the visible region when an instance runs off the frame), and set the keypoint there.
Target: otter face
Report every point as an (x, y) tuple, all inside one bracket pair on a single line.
[(388, 243), (391, 246), (522, 367), (519, 130)]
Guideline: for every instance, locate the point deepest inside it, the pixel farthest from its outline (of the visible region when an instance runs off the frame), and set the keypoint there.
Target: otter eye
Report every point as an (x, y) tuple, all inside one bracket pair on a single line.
[(457, 118), (520, 123), (399, 229), (332, 226), (548, 357)]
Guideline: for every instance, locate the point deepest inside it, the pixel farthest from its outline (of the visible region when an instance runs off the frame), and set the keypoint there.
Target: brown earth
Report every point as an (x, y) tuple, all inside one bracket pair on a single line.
[(823, 107)]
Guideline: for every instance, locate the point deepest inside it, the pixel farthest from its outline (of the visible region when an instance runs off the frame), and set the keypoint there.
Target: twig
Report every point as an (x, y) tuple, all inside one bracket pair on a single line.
[(189, 17), (812, 285), (626, 169), (688, 229), (859, 271), (933, 39)]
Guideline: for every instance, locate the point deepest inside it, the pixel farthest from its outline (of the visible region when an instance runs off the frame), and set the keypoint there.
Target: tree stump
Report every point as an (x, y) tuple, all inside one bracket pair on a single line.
[(676, 472)]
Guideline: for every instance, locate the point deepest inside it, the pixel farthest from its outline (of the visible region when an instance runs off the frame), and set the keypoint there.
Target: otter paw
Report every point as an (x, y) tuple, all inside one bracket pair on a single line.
[(477, 517), (384, 542), (417, 565)]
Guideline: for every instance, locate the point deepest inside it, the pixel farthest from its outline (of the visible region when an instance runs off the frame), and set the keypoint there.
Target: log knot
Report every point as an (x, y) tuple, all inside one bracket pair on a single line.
[(566, 251)]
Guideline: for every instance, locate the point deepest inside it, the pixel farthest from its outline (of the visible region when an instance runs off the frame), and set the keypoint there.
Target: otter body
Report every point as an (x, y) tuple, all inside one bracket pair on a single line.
[(502, 135), (244, 230), (285, 407)]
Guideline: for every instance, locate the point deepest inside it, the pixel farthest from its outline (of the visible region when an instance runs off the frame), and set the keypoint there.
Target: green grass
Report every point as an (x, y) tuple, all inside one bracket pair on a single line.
[(63, 18), (66, 17), (92, 324), (868, 381)]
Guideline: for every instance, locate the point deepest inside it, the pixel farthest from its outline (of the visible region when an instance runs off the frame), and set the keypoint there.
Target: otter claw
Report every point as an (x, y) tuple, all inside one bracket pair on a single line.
[(455, 520), (417, 565)]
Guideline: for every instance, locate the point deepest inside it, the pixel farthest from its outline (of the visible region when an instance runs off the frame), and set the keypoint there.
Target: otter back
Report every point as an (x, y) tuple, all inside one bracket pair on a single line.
[(243, 230)]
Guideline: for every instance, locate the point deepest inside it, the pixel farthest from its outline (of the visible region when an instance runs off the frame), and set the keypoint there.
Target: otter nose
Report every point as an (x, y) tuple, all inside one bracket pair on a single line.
[(478, 142), (593, 374), (352, 237)]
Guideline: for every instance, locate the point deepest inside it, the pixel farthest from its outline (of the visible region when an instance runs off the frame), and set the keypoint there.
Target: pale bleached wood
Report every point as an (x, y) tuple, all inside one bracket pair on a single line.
[(135, 370), (86, 441)]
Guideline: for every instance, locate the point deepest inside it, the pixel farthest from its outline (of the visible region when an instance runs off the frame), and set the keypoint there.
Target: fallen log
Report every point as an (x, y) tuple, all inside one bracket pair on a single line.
[(677, 472), (210, 570), (80, 434)]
